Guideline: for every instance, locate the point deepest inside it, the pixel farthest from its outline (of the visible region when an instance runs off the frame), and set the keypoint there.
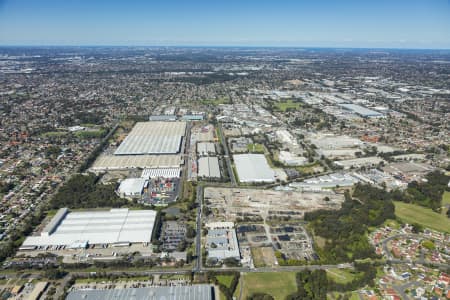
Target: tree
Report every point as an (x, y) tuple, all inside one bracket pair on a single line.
[(54, 274), (82, 191), (260, 296), (190, 232)]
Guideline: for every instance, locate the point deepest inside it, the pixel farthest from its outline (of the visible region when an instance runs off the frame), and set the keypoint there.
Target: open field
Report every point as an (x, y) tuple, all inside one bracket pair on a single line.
[(255, 148), (309, 168), (258, 258), (446, 198), (341, 275), (337, 295), (225, 279), (288, 104), (412, 213), (231, 204), (445, 202), (89, 134), (277, 284), (263, 256)]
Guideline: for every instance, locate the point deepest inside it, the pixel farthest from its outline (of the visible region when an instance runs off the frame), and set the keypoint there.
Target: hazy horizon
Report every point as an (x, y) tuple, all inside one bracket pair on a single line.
[(414, 24)]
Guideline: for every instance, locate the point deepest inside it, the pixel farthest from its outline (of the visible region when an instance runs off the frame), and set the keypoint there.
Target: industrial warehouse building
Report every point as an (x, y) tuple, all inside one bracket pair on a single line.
[(132, 187), (205, 149), (82, 228), (124, 162), (325, 182), (371, 161), (161, 172), (361, 110), (194, 292), (253, 168), (153, 138), (221, 241), (208, 167), (149, 145), (290, 159)]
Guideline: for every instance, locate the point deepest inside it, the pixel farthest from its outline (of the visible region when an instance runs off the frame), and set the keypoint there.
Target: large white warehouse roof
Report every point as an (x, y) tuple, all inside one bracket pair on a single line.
[(123, 162), (132, 186), (153, 138), (208, 167), (253, 168), (99, 227)]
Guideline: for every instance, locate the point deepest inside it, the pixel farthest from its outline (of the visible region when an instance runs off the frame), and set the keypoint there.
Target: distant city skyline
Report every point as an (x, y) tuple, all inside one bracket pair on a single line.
[(354, 24)]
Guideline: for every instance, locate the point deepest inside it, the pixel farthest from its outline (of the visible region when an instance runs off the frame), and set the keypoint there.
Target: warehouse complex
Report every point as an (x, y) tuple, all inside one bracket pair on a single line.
[(123, 162), (253, 168), (361, 110), (221, 241), (80, 229), (161, 172), (205, 149), (149, 145), (132, 187), (194, 292), (208, 167), (153, 138)]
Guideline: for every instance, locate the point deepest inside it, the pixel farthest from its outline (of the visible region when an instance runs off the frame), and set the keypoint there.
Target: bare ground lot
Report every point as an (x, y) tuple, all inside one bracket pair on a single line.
[(233, 205), (264, 257)]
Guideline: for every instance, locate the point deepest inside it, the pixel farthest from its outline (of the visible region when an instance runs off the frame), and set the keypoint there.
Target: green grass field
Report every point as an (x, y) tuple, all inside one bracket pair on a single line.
[(255, 148), (307, 169), (337, 295), (446, 198), (341, 275), (225, 280), (90, 134), (285, 105), (412, 213), (257, 255), (445, 202), (277, 284)]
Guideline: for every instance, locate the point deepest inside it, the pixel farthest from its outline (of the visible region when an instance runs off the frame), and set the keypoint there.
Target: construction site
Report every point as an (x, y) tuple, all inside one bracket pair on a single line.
[(239, 204)]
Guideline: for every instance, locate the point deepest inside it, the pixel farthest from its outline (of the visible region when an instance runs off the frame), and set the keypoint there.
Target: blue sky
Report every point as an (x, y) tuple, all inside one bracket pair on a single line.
[(339, 23)]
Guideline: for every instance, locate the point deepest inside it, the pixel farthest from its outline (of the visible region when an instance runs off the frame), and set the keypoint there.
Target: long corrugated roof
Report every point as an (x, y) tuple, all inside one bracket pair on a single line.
[(153, 138), (253, 168), (121, 162), (208, 167), (100, 227), (361, 110), (194, 292)]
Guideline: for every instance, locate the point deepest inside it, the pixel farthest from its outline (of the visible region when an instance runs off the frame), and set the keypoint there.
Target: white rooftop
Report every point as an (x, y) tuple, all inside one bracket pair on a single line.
[(153, 138), (291, 159), (253, 168), (132, 186), (99, 227), (208, 167), (123, 162), (204, 148)]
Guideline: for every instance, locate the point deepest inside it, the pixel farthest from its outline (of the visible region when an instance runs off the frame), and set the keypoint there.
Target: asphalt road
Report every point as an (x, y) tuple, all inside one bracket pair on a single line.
[(198, 244), (227, 155)]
